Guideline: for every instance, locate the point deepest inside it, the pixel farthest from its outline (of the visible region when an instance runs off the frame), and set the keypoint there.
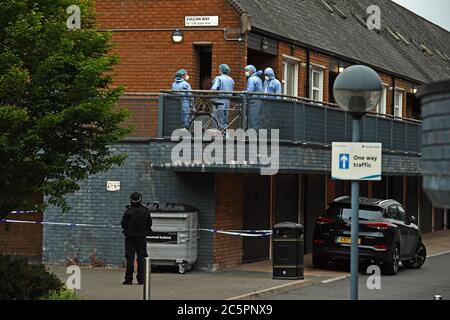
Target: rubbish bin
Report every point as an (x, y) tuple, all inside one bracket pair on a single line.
[(288, 251), (174, 241)]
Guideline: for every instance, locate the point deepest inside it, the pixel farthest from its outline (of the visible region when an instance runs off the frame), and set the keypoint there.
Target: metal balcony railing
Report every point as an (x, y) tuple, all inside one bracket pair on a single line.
[(299, 120)]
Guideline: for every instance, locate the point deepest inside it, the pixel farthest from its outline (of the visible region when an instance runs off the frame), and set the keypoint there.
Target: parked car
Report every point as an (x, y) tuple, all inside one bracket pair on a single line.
[(387, 235)]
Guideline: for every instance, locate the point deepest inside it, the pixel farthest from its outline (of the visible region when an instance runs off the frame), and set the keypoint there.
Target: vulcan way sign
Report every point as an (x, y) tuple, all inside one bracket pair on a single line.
[(356, 161)]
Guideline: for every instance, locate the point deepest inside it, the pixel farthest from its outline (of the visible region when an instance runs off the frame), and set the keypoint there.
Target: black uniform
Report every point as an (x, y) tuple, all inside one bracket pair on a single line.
[(136, 223)]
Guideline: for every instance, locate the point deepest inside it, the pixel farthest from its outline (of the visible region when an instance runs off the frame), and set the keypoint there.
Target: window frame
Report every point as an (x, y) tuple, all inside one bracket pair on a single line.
[(320, 89), (382, 106), (398, 92), (288, 60)]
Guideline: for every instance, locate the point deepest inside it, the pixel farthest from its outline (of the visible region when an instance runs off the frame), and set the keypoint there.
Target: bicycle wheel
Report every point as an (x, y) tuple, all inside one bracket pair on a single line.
[(207, 122)]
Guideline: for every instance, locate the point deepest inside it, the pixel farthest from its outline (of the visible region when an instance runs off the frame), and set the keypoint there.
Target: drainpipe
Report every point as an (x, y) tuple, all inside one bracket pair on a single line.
[(393, 96), (308, 73)]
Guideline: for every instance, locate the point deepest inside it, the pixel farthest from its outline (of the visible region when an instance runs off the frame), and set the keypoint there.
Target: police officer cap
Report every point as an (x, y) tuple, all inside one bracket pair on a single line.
[(181, 73), (224, 68), (136, 198)]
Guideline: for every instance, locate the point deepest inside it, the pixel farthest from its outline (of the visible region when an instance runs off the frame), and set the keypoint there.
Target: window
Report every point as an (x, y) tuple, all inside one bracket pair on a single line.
[(402, 214), (395, 213), (317, 84), (381, 108), (398, 105), (290, 77), (366, 213)]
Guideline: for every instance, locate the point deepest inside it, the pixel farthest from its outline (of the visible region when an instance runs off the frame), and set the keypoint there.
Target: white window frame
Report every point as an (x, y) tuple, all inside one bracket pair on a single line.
[(295, 62), (382, 106), (398, 107), (321, 72)]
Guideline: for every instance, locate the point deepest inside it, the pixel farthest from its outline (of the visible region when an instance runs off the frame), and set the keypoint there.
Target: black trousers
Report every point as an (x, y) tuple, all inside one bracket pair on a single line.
[(133, 246)]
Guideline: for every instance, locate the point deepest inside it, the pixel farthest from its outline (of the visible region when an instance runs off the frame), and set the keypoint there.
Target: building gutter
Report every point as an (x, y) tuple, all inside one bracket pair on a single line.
[(308, 73), (224, 30)]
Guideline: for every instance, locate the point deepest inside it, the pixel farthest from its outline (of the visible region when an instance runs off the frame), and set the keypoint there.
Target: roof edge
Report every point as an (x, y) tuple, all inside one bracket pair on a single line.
[(336, 55)]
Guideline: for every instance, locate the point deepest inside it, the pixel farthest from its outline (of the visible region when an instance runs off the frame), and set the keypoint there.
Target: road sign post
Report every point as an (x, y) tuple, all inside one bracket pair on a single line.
[(357, 90), (354, 258), (356, 162)]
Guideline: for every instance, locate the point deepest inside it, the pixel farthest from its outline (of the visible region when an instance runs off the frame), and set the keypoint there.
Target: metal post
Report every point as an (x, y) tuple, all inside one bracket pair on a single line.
[(160, 129), (148, 273), (354, 260)]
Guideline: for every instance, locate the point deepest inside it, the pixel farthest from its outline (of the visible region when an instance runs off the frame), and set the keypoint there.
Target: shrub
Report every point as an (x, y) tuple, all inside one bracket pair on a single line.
[(64, 294), (22, 281)]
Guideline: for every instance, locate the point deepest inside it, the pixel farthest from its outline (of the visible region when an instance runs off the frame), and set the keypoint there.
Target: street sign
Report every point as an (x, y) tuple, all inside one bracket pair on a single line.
[(356, 161), (201, 21), (113, 186)]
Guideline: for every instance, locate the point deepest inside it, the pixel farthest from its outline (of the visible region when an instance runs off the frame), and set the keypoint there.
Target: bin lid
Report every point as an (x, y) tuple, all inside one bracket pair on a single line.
[(171, 207), (288, 225)]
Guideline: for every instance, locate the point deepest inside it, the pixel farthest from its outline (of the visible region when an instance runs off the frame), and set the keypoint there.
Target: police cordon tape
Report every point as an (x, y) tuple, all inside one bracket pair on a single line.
[(22, 212), (239, 233)]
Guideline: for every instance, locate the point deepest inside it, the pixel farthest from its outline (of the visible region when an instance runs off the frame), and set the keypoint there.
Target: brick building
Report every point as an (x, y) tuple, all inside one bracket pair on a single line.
[(307, 43)]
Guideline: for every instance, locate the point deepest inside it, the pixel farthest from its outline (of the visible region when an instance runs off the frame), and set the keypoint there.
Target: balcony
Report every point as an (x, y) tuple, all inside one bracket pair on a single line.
[(301, 121)]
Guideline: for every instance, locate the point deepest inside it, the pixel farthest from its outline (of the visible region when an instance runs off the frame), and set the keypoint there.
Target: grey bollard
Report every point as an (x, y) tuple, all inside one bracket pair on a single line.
[(148, 274)]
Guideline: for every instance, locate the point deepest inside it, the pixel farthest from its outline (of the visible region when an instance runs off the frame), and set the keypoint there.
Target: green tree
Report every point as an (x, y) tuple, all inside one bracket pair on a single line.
[(57, 115)]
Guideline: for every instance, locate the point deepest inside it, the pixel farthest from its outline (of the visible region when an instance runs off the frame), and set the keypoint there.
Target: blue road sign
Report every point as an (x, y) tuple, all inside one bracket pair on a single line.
[(344, 161)]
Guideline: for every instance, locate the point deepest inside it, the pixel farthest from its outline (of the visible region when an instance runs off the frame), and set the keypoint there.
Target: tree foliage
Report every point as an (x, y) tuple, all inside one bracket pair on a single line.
[(57, 115)]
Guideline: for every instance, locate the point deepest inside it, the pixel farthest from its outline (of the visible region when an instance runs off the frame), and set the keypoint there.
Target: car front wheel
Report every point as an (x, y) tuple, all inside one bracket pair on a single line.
[(391, 266), (419, 258)]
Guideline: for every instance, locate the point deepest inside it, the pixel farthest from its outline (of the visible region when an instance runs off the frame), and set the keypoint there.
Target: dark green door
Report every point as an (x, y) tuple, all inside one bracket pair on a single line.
[(256, 217)]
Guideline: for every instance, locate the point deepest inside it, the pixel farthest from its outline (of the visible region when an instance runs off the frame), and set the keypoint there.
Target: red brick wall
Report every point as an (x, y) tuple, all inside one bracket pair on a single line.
[(21, 239), (229, 211), (149, 59)]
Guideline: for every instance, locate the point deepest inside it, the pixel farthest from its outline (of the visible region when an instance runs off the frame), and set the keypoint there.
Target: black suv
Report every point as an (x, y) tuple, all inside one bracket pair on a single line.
[(387, 235)]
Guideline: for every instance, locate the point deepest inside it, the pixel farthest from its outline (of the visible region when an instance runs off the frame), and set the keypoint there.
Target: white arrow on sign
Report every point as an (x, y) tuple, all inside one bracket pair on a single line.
[(344, 160)]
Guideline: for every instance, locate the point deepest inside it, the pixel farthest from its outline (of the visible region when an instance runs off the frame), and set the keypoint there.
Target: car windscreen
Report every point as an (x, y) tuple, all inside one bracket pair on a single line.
[(366, 213)]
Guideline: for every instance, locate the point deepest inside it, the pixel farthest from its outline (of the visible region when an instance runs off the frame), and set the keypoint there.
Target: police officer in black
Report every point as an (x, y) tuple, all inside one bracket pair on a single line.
[(136, 224)]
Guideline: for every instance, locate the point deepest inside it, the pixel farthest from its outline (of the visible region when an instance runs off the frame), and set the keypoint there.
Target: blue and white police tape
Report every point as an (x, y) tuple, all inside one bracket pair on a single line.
[(61, 224), (22, 212), (237, 233), (241, 233)]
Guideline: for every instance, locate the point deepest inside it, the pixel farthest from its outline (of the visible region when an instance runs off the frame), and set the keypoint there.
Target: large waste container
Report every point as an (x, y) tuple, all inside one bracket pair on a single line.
[(174, 241), (288, 251)]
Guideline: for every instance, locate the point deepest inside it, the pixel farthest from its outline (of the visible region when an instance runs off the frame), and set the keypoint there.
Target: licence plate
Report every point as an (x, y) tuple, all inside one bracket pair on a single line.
[(346, 240)]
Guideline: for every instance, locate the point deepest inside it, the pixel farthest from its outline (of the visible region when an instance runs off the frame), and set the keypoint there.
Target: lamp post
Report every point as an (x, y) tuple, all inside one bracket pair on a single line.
[(357, 90)]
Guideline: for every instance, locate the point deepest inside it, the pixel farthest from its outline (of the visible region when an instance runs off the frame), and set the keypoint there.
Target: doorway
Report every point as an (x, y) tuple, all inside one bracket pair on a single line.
[(203, 54), (286, 201), (256, 217)]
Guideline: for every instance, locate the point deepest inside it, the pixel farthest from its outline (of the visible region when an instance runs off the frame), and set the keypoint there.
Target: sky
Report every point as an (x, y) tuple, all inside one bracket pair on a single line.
[(436, 11)]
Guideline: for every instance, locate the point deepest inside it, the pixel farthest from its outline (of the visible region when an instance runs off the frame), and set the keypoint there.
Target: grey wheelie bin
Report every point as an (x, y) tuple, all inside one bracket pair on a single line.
[(174, 241)]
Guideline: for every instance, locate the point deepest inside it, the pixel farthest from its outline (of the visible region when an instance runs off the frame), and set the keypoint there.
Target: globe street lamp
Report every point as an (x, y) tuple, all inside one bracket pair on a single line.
[(357, 90)]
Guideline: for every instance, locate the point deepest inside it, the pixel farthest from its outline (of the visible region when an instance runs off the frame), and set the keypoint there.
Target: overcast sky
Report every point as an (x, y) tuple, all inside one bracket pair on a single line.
[(436, 11)]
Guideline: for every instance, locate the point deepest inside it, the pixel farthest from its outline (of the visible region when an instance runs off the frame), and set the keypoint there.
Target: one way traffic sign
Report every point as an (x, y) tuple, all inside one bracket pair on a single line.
[(356, 161)]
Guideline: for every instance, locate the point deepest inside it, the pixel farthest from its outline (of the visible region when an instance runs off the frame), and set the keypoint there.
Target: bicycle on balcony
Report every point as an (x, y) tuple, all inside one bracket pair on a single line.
[(205, 111)]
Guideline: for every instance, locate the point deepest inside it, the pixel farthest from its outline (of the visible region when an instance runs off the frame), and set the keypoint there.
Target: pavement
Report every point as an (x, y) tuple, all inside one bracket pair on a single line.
[(250, 281)]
